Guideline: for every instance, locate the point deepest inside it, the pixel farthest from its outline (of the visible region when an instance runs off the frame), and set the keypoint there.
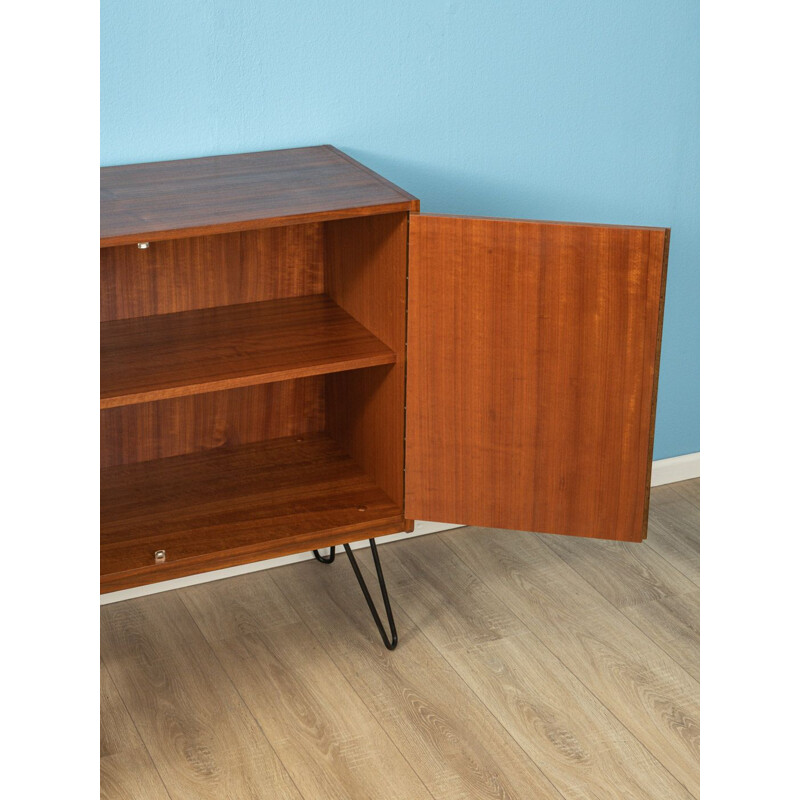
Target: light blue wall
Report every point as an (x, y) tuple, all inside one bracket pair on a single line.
[(546, 109)]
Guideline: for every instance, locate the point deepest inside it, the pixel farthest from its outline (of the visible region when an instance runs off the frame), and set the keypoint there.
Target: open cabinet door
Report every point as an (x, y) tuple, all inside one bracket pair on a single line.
[(533, 353)]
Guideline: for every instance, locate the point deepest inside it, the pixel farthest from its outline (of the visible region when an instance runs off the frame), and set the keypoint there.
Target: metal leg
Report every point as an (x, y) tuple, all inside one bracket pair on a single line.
[(325, 559), (390, 644)]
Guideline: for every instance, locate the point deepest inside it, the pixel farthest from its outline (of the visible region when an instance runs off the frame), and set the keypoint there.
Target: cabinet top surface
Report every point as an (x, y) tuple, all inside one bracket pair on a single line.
[(221, 194)]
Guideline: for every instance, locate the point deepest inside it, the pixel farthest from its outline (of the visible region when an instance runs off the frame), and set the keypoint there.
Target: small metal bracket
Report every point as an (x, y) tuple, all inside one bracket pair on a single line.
[(143, 245)]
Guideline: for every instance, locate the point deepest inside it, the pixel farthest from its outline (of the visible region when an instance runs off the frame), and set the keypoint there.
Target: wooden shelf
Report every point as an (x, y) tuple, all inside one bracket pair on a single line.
[(236, 505), (206, 350)]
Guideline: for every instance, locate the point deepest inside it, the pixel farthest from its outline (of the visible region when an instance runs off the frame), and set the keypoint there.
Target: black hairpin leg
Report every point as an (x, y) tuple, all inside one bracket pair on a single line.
[(325, 559), (390, 643)]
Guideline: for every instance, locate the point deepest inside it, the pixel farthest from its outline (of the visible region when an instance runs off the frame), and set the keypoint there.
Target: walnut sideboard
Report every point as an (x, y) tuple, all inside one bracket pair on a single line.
[(293, 357)]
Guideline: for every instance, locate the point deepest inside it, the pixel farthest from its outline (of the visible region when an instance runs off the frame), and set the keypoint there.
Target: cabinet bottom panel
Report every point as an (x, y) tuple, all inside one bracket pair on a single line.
[(198, 512)]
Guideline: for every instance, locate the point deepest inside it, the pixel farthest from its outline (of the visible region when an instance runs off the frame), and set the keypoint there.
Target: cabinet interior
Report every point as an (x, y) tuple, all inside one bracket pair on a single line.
[(252, 395)]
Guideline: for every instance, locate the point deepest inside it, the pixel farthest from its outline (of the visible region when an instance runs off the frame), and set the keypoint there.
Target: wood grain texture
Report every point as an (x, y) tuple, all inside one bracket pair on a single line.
[(236, 505), (190, 716), (142, 432), (324, 734), (532, 370), (581, 746), (173, 199), (577, 742), (656, 369), (646, 690), (365, 274), (676, 524), (117, 731), (126, 770), (130, 776), (660, 600), (625, 573), (175, 355), (688, 490), (673, 623), (455, 743), (205, 271)]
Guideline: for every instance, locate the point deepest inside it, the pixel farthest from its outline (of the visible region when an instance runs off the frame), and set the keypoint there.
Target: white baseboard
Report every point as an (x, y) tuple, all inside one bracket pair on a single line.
[(672, 470), (667, 470)]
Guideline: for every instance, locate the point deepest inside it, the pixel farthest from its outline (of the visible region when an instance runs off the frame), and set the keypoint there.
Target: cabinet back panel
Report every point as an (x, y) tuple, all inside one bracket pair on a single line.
[(130, 434), (206, 271)]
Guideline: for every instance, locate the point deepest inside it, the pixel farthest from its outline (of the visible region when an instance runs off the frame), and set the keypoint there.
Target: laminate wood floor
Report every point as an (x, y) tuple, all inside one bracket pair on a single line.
[(529, 666)]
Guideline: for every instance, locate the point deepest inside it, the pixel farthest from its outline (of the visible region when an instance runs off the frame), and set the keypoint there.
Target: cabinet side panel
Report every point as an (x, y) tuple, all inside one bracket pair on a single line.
[(365, 273), (207, 271), (659, 250), (531, 378), (130, 434)]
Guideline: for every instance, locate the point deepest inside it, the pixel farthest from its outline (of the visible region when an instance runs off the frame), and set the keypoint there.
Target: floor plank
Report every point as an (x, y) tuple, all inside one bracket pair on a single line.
[(625, 573), (578, 743), (126, 770), (202, 739), (644, 688), (674, 624), (323, 733), (674, 530), (660, 600), (455, 744), (688, 490)]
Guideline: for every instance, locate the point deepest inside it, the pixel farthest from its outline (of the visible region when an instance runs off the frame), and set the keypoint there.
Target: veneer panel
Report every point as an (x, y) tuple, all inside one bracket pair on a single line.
[(174, 355)]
